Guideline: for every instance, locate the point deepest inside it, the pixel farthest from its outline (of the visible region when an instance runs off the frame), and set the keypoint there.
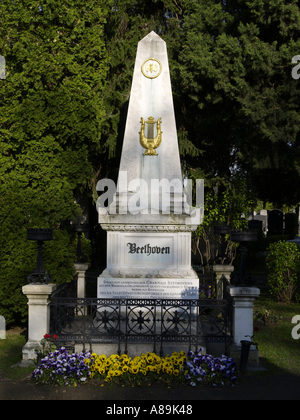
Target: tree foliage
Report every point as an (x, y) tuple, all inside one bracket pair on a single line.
[(283, 263), (236, 103), (51, 114), (235, 66)]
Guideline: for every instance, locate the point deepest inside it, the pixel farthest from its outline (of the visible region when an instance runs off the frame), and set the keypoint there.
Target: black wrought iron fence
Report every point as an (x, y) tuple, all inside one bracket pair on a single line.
[(66, 289), (207, 285), (93, 321)]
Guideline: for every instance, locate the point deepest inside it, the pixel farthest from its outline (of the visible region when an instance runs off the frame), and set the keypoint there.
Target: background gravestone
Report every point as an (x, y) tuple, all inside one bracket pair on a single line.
[(2, 67), (275, 222), (255, 224), (2, 328)]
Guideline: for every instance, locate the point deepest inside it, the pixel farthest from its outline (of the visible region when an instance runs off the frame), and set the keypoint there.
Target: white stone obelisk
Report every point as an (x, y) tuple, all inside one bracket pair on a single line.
[(151, 95), (149, 249)]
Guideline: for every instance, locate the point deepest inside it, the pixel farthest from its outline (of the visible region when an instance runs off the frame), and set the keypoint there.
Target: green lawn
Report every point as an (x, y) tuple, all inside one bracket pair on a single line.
[(277, 348), (10, 354)]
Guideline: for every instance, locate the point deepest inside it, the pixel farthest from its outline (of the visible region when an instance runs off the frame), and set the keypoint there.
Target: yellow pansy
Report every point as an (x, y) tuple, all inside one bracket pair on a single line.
[(164, 368), (101, 370), (169, 370), (150, 360), (156, 359), (123, 355), (118, 372), (134, 369), (111, 373)]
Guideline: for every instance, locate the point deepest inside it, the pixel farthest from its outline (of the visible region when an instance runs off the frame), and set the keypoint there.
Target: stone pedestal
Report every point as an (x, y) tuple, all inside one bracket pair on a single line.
[(220, 270), (81, 269), (38, 316), (243, 298), (148, 262)]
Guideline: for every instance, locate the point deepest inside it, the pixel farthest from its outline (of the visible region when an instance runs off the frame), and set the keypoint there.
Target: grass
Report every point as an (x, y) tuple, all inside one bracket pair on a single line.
[(10, 354), (277, 348)]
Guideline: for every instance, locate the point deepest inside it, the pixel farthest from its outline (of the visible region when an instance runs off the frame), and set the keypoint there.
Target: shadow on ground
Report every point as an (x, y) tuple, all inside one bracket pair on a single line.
[(269, 384)]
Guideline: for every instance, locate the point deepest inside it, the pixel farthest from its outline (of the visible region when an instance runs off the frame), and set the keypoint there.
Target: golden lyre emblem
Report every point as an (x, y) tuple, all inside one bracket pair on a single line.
[(150, 143)]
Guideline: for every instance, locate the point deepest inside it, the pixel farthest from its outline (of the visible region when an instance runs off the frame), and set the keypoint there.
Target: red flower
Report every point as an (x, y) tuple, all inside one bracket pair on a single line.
[(54, 336), (46, 336)]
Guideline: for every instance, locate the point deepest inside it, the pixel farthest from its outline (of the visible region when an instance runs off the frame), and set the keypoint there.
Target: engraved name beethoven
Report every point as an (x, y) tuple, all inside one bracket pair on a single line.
[(147, 249)]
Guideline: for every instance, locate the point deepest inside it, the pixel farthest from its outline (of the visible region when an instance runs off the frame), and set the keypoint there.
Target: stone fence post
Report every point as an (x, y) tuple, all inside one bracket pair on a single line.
[(220, 270), (38, 316), (243, 299), (81, 268)]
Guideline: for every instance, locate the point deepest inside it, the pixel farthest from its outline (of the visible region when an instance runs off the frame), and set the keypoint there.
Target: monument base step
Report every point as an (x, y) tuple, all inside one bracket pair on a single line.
[(136, 349)]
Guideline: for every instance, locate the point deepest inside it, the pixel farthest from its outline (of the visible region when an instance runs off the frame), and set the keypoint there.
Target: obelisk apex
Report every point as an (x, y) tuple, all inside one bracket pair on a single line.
[(151, 96)]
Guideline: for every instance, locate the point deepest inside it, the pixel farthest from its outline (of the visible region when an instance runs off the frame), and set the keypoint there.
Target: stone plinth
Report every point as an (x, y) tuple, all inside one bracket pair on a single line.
[(81, 269), (243, 299), (148, 288), (38, 316), (155, 263), (220, 270)]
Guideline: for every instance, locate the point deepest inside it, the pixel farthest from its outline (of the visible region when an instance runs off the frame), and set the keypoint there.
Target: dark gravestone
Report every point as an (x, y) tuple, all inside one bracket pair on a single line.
[(263, 216), (291, 224), (275, 222), (255, 224)]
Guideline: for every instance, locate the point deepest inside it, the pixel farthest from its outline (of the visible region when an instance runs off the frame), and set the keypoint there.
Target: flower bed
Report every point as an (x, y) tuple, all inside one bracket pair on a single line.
[(211, 369), (60, 367)]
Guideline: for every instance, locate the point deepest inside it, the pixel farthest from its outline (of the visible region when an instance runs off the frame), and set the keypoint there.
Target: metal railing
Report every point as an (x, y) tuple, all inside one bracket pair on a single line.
[(91, 321)]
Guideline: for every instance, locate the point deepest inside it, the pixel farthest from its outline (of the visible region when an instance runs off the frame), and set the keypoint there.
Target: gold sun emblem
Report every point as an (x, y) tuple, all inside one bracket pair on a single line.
[(151, 68)]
